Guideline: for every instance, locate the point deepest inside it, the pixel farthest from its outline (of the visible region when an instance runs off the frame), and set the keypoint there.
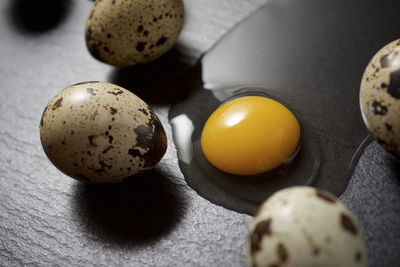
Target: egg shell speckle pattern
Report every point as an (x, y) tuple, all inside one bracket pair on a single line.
[(99, 132), (380, 97), (129, 32), (304, 226)]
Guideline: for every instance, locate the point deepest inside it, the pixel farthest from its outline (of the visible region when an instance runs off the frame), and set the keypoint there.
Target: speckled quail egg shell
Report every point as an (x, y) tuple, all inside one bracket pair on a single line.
[(99, 132), (304, 226), (380, 97), (129, 32)]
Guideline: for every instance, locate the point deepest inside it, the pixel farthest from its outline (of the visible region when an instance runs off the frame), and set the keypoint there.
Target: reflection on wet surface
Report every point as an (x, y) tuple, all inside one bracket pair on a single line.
[(310, 54)]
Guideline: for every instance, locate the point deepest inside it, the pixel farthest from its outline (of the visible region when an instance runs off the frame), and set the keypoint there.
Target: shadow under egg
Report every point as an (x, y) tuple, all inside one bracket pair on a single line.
[(138, 210), (394, 166), (39, 15), (157, 82)]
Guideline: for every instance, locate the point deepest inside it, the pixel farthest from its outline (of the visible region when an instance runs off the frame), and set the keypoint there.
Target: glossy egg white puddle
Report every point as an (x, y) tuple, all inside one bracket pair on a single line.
[(310, 55), (242, 193)]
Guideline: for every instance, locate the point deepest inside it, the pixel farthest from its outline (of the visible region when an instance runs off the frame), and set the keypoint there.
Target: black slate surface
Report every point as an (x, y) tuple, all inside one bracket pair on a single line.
[(47, 218)]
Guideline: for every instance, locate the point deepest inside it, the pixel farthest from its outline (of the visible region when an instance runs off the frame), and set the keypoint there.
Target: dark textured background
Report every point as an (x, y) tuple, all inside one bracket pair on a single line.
[(47, 218)]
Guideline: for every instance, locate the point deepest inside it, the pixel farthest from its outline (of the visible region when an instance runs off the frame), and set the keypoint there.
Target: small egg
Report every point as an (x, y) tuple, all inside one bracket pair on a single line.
[(304, 226), (130, 32), (99, 132), (380, 97), (250, 135)]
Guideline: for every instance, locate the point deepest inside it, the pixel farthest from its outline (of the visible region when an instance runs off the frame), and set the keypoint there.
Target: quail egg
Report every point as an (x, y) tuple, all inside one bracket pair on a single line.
[(304, 226), (99, 132), (380, 97), (130, 32)]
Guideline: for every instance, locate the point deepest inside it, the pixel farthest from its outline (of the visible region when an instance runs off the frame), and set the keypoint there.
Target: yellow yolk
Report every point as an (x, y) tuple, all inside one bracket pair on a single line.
[(250, 135)]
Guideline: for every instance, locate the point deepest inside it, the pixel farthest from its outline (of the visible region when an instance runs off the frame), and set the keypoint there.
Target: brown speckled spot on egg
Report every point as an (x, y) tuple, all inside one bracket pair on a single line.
[(143, 111), (103, 166), (389, 59), (394, 85), (93, 116), (116, 91), (140, 28), (41, 120), (90, 91), (88, 34), (134, 153), (91, 140), (379, 109), (140, 46), (324, 196), (357, 256), (91, 14), (282, 253), (161, 41), (113, 110), (388, 127), (347, 224), (262, 228), (110, 137), (107, 149), (143, 133), (153, 140), (57, 104)]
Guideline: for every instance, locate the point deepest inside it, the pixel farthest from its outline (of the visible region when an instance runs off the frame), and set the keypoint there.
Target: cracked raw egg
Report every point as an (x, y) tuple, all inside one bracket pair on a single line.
[(99, 132), (250, 135)]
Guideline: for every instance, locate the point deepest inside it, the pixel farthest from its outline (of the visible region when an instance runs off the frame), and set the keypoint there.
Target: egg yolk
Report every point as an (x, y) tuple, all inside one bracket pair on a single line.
[(250, 135)]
